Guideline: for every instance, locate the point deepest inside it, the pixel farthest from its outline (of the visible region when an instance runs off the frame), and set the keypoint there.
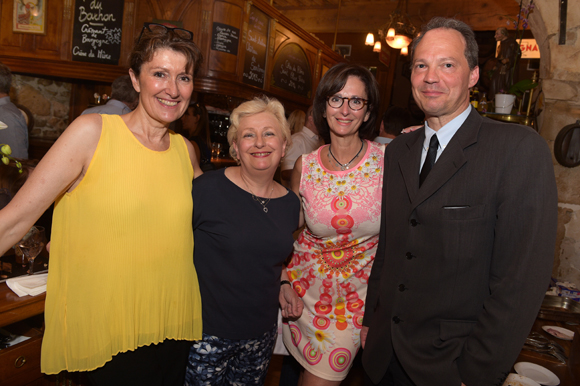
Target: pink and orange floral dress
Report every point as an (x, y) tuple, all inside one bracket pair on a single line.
[(332, 260)]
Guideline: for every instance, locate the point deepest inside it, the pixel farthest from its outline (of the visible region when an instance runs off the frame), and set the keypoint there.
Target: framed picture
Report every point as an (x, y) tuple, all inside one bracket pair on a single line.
[(343, 49), (29, 16)]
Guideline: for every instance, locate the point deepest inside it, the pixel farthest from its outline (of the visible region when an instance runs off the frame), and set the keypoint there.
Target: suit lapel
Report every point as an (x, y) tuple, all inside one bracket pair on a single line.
[(450, 161), (409, 163)]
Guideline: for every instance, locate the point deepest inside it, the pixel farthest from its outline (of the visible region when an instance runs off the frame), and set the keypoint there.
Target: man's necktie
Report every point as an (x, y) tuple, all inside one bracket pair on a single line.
[(430, 159)]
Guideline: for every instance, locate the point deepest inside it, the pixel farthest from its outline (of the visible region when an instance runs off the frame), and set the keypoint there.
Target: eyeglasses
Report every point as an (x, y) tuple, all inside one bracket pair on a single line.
[(154, 27), (354, 103)]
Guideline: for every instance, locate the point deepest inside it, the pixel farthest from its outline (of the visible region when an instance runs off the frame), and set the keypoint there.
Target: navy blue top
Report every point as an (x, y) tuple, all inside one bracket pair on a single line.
[(238, 253)]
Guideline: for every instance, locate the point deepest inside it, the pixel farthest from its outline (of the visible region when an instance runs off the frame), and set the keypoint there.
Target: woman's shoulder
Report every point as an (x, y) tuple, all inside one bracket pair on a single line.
[(212, 177), (376, 147)]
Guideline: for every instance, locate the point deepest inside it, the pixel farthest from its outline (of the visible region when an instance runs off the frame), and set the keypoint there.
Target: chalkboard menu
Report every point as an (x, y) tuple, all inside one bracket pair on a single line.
[(225, 38), (256, 48), (292, 71), (97, 31)]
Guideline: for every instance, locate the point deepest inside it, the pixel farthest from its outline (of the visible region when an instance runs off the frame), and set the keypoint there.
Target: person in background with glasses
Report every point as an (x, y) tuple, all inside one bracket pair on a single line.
[(340, 186), (123, 300)]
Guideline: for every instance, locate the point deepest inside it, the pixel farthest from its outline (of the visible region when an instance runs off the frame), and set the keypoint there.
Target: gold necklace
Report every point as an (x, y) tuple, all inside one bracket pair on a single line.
[(259, 200), (345, 166)]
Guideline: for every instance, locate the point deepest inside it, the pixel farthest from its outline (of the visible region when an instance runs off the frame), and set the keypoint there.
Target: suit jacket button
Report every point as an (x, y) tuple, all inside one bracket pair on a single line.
[(402, 287), (396, 319), (414, 223), (409, 255)]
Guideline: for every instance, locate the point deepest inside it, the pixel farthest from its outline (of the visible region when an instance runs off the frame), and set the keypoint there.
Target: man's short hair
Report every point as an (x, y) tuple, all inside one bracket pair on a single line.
[(503, 31), (123, 90), (471, 47), (396, 119), (5, 79)]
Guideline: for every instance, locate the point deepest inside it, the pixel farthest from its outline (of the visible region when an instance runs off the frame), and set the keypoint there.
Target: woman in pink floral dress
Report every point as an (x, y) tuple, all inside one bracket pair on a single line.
[(340, 186)]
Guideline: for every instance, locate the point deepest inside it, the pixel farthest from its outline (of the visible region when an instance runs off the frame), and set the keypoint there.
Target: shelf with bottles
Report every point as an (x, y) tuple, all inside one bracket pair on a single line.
[(219, 123)]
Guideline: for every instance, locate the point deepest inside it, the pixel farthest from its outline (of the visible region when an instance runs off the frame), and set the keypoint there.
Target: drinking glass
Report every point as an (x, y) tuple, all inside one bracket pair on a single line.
[(31, 245)]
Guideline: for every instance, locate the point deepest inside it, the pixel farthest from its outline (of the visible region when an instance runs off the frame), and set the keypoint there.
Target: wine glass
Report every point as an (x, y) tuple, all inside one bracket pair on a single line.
[(31, 245)]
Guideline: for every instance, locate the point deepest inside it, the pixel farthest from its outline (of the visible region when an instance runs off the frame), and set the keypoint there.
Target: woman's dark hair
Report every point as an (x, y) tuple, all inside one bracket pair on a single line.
[(152, 41), (333, 81), (202, 129)]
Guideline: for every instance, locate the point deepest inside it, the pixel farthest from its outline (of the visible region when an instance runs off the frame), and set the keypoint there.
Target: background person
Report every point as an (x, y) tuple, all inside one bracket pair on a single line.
[(464, 257), (340, 187), (395, 119), (122, 297), (194, 125), (16, 134), (296, 121), (303, 142), (124, 98), (243, 223)]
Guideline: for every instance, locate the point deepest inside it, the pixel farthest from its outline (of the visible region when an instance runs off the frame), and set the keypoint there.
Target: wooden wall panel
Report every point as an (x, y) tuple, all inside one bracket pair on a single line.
[(47, 46), (222, 64)]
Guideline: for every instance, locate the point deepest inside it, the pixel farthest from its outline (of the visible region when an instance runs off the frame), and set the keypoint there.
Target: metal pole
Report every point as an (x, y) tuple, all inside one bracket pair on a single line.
[(336, 28)]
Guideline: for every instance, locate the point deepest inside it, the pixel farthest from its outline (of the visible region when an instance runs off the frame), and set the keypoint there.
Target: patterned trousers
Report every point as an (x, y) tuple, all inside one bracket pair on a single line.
[(215, 361)]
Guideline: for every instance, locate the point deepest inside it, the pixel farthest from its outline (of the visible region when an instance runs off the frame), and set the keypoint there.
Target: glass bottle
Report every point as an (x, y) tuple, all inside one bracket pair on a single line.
[(474, 98), (482, 104)]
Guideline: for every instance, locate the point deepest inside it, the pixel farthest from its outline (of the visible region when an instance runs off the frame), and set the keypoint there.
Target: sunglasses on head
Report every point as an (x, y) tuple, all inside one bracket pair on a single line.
[(155, 27)]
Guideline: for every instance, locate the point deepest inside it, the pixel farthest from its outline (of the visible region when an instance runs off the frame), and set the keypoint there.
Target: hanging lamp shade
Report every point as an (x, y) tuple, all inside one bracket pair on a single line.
[(405, 51), (398, 32), (370, 40), (377, 47)]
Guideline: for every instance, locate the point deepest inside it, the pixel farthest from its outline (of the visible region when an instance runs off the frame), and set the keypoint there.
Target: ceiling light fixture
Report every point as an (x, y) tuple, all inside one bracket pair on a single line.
[(398, 32), (370, 41)]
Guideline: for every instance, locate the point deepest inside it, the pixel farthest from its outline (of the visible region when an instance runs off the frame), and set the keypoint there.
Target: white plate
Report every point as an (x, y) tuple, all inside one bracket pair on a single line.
[(538, 373), (559, 332), (519, 380)]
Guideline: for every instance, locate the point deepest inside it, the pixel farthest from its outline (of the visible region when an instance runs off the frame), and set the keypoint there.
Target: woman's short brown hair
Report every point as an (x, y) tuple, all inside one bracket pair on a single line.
[(152, 41), (333, 81)]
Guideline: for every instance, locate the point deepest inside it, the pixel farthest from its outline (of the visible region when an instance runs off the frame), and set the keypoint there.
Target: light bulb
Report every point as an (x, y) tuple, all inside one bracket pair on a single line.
[(370, 41)]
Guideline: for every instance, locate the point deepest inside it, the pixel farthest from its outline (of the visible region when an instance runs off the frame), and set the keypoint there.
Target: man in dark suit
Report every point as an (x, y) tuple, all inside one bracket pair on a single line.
[(465, 251)]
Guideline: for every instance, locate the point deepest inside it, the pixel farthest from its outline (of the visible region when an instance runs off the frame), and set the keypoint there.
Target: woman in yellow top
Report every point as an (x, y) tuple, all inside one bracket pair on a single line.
[(122, 297)]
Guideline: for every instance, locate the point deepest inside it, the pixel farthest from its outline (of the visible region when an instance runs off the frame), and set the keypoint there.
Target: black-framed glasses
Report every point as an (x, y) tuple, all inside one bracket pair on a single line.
[(354, 103), (155, 27)]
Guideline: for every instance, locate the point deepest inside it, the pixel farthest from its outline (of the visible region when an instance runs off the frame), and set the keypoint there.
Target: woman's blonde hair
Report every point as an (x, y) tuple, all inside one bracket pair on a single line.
[(257, 105)]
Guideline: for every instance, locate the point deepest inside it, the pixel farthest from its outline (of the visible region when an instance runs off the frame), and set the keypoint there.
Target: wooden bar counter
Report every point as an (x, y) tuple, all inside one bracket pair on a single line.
[(569, 373), (14, 309), (20, 364)]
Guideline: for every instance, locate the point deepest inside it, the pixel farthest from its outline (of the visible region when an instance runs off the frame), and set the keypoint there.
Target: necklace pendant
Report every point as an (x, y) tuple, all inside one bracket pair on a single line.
[(265, 210), (343, 167)]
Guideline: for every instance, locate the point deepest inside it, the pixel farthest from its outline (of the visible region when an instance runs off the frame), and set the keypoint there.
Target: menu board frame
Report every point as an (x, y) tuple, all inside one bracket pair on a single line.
[(256, 48), (97, 31), (225, 38), (288, 72)]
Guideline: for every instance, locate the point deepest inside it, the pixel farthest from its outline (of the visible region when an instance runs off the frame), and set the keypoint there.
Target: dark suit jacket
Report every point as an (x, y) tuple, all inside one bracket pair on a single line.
[(463, 262)]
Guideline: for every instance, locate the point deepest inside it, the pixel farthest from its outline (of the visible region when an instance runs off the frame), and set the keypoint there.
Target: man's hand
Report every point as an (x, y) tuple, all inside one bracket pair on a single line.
[(363, 335), (290, 304), (411, 129)]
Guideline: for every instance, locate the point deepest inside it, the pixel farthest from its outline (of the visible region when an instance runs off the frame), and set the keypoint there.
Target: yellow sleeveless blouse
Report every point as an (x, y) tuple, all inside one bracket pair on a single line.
[(121, 272)]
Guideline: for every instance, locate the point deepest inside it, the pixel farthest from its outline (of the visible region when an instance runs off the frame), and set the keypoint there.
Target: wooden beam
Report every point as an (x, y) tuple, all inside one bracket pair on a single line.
[(367, 15)]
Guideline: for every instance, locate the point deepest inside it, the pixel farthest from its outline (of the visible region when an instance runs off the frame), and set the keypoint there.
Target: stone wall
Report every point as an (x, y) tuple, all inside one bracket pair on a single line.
[(560, 74), (47, 99)]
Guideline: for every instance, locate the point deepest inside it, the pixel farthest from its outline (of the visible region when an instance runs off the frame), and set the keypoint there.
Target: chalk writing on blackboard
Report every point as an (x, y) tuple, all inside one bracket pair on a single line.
[(97, 31), (256, 48), (225, 38), (291, 71)]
